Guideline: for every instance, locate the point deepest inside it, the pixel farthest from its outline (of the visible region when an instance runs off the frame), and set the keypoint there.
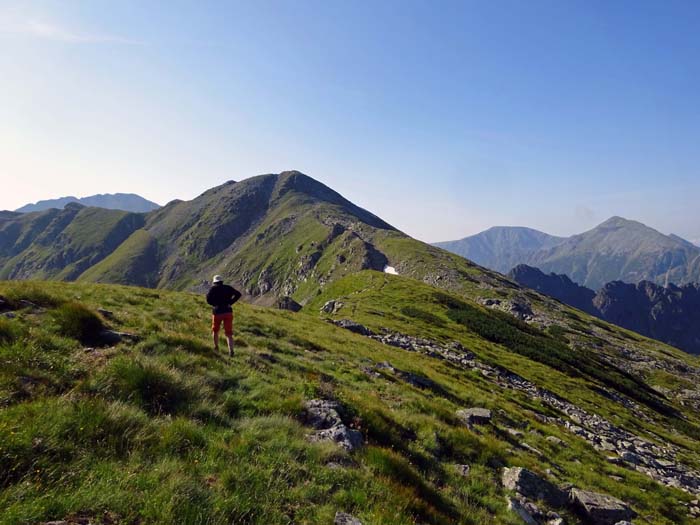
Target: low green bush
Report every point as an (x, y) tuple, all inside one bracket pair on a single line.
[(154, 387), (78, 322)]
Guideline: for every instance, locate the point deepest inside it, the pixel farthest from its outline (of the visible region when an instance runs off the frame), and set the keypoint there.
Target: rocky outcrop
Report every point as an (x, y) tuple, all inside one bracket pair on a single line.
[(558, 286), (670, 314), (601, 509), (342, 518), (324, 416), (659, 461), (532, 486), (287, 303), (474, 416)]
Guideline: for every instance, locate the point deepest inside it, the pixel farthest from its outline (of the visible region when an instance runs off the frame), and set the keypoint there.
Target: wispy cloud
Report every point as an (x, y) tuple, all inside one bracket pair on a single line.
[(14, 23)]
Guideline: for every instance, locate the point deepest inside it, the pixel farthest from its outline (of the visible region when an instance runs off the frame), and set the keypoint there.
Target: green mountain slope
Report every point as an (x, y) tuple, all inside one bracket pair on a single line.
[(271, 235), (620, 249), (61, 244), (158, 429)]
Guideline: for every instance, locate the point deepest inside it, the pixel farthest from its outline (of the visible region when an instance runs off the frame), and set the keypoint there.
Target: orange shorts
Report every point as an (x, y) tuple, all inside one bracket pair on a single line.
[(216, 321)]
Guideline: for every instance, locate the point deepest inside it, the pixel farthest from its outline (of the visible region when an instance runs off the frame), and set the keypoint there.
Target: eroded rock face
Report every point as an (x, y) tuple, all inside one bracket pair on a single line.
[(324, 416), (287, 303), (532, 486), (601, 509)]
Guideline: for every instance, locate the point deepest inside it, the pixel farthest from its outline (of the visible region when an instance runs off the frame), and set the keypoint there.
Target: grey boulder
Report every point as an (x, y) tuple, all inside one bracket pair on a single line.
[(342, 518), (532, 486), (601, 509), (474, 416)]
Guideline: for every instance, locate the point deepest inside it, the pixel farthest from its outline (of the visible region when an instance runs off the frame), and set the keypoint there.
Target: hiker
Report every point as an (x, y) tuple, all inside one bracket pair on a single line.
[(221, 297)]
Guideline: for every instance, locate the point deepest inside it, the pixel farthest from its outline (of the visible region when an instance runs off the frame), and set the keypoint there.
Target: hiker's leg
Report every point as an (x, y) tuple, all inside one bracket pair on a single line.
[(215, 325), (228, 330)]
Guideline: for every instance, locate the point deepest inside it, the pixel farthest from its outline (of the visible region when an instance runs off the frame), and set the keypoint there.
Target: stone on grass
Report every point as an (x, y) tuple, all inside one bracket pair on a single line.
[(353, 327), (474, 416), (331, 307), (342, 518), (324, 416), (601, 509), (105, 313), (532, 486), (463, 470), (347, 438), (516, 507)]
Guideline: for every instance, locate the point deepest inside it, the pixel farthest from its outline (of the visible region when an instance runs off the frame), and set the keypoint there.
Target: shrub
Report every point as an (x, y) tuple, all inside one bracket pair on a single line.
[(35, 293), (181, 436), (154, 387), (76, 321), (8, 331), (417, 313)]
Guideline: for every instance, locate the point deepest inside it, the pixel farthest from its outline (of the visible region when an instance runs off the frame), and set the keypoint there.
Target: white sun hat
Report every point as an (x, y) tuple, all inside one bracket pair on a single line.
[(218, 279)]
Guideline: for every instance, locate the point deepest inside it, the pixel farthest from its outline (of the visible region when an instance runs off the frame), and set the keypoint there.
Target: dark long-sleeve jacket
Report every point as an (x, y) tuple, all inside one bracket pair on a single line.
[(221, 297)]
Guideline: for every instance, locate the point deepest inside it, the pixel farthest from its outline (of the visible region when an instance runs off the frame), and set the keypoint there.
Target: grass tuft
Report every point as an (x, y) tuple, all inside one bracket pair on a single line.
[(78, 322)]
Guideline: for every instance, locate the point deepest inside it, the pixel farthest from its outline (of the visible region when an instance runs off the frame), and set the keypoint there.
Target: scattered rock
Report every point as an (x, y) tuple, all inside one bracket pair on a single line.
[(105, 313), (463, 470), (474, 416), (28, 304), (601, 508), (660, 461), (9, 315), (346, 437), (287, 303), (532, 486), (532, 449), (324, 416), (353, 327), (515, 506), (342, 518), (331, 307), (555, 441), (112, 337)]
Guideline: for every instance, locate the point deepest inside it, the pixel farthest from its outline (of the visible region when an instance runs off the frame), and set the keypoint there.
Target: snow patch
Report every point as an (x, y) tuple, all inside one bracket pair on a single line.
[(391, 270)]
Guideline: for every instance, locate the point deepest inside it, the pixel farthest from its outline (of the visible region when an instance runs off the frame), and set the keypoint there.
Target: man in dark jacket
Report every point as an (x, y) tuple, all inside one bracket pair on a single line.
[(221, 297)]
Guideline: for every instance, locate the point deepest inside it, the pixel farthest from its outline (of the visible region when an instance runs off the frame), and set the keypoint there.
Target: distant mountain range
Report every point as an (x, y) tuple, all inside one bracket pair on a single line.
[(616, 250), (111, 201), (670, 314), (502, 247), (275, 235)]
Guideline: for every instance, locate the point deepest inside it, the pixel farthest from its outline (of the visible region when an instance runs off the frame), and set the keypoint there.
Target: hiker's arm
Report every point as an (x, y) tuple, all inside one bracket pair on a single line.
[(210, 299), (236, 296)]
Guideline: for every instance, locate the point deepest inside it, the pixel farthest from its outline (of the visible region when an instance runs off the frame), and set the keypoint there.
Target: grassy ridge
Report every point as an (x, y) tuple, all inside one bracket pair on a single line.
[(165, 431)]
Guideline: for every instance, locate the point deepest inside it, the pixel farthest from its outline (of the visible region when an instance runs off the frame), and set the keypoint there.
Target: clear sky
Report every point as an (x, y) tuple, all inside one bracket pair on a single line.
[(442, 117)]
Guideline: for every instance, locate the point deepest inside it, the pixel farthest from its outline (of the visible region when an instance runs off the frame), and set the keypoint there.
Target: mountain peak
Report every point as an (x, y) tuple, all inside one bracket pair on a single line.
[(113, 201)]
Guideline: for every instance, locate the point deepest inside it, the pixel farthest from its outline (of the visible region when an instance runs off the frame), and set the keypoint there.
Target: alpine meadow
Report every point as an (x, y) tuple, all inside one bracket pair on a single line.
[(226, 297)]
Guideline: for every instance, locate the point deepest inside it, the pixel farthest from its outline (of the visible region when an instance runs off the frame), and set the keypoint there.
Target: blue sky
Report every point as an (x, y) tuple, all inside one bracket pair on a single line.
[(444, 118)]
